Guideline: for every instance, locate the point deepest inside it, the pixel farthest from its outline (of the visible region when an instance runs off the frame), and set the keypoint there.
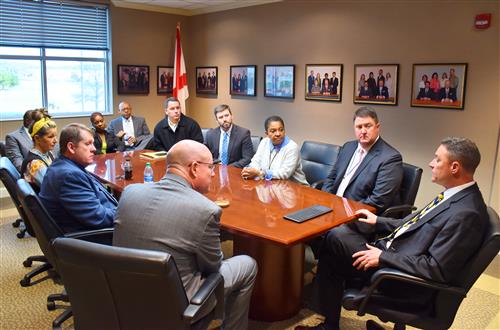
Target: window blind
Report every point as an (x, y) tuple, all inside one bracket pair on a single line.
[(53, 24)]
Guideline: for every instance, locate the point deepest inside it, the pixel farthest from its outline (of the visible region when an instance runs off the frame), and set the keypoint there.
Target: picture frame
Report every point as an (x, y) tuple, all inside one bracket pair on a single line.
[(165, 81), (368, 87), (206, 80), (243, 80), (323, 82), (133, 79), (437, 94), (279, 81)]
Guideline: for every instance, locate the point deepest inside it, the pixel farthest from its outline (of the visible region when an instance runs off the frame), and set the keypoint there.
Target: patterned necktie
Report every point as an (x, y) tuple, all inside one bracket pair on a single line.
[(224, 158), (413, 220)]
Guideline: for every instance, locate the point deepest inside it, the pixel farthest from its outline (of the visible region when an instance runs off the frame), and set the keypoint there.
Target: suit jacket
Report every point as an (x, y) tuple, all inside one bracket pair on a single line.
[(385, 92), (113, 143), (141, 130), (429, 93), (75, 199), (452, 94), (438, 246), (335, 84), (170, 216), (17, 146), (240, 147), (376, 181)]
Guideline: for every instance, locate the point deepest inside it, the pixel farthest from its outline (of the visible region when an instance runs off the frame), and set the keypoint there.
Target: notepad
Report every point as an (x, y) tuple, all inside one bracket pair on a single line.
[(154, 155)]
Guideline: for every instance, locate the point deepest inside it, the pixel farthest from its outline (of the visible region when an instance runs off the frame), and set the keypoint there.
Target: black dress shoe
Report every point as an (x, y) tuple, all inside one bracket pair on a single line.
[(372, 325)]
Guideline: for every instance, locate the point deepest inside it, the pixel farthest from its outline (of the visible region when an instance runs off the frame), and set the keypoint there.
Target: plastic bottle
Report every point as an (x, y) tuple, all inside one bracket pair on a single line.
[(127, 168), (148, 173)]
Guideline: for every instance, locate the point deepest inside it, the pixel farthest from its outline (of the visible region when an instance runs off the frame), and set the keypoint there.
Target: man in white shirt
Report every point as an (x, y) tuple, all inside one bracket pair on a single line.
[(133, 130), (434, 243)]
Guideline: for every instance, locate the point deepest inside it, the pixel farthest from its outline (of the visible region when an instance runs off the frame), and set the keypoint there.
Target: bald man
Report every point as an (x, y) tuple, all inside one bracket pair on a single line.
[(173, 216)]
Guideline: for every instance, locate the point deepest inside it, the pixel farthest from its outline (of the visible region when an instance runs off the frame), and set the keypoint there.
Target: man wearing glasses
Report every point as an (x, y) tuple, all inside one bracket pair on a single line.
[(173, 216)]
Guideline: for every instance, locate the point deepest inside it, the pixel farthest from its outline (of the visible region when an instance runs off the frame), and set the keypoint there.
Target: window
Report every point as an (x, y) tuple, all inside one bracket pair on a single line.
[(54, 54)]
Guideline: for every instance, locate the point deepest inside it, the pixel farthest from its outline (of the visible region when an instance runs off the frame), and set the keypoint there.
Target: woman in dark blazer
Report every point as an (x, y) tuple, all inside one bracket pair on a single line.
[(104, 141)]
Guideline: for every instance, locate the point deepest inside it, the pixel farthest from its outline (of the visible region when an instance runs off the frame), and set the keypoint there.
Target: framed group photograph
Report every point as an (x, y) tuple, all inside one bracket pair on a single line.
[(133, 79), (165, 75), (439, 85), (376, 83), (206, 80), (243, 80), (323, 82), (279, 81)]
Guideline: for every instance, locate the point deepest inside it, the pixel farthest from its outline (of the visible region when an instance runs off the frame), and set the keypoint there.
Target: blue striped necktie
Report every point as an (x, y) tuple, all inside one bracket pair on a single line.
[(224, 158)]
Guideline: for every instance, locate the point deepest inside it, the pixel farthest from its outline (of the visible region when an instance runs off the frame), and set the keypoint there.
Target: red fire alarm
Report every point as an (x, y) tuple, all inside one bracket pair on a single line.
[(482, 21)]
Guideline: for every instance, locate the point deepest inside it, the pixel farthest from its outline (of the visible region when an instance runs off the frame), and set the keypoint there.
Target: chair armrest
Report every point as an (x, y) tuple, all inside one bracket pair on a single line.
[(384, 274), (318, 184), (397, 209), (100, 236), (214, 283)]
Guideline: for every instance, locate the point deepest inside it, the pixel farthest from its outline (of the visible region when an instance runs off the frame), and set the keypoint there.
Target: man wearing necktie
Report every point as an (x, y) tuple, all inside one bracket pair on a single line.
[(132, 130), (447, 93), (434, 243), (72, 196), (229, 142)]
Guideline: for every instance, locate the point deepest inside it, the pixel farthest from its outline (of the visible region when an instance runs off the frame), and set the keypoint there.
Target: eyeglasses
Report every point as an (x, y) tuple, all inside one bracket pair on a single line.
[(211, 166)]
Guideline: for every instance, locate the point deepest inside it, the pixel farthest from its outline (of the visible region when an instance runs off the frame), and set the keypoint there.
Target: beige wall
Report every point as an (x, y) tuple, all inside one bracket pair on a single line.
[(347, 32), (404, 32)]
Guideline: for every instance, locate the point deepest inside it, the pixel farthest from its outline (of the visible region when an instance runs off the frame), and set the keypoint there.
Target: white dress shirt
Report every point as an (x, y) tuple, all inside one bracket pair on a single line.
[(128, 128)]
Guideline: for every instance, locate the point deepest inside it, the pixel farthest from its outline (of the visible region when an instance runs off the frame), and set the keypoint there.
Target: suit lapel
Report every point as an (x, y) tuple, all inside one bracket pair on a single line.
[(232, 138), (371, 154), (27, 139), (442, 207), (136, 126), (216, 143)]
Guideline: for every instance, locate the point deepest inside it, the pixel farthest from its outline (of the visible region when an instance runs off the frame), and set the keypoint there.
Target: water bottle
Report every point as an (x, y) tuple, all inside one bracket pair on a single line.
[(268, 176), (148, 173), (127, 168)]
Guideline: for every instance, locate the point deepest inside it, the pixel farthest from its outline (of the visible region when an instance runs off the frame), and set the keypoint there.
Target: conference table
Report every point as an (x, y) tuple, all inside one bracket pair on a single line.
[(254, 217)]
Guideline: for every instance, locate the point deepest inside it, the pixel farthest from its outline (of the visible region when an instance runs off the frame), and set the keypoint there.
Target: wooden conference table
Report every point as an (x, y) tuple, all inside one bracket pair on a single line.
[(255, 218)]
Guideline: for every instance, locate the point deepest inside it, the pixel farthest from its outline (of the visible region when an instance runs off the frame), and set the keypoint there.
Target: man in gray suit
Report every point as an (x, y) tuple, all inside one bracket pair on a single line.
[(173, 216), (133, 130), (19, 142), (229, 142)]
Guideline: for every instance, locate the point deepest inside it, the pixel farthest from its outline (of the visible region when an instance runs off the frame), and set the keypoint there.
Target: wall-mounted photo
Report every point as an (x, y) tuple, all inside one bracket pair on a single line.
[(439, 85), (376, 83), (243, 80), (133, 79), (165, 80), (206, 80), (279, 81), (324, 82)]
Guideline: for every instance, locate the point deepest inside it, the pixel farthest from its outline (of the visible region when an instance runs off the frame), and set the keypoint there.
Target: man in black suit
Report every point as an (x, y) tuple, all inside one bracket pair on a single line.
[(434, 243), (426, 93), (334, 82), (237, 143), (174, 127), (447, 94), (381, 93), (368, 169)]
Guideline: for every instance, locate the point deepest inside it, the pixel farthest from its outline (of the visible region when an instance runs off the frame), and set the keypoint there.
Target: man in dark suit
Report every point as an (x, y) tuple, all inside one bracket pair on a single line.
[(236, 149), (426, 93), (334, 82), (72, 196), (132, 130), (434, 243), (310, 82), (381, 93), (174, 127), (368, 169), (19, 143), (447, 94)]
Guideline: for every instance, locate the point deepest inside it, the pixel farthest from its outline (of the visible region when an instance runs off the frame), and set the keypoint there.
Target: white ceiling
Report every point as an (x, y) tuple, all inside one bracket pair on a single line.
[(188, 7)]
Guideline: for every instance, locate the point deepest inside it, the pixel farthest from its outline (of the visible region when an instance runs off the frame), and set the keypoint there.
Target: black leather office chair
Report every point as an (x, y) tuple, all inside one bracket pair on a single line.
[(204, 132), (46, 230), (441, 311), (255, 142), (9, 175), (318, 159), (407, 192), (3, 152), (122, 288)]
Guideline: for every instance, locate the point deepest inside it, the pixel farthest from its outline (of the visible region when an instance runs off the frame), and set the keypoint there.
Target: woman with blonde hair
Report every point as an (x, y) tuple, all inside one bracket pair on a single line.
[(43, 131)]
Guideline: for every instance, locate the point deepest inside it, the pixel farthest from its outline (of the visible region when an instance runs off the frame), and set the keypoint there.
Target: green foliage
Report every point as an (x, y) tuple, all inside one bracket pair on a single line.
[(8, 79)]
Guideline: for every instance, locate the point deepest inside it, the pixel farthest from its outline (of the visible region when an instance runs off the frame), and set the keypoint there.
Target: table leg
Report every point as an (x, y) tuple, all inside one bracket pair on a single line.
[(277, 293)]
